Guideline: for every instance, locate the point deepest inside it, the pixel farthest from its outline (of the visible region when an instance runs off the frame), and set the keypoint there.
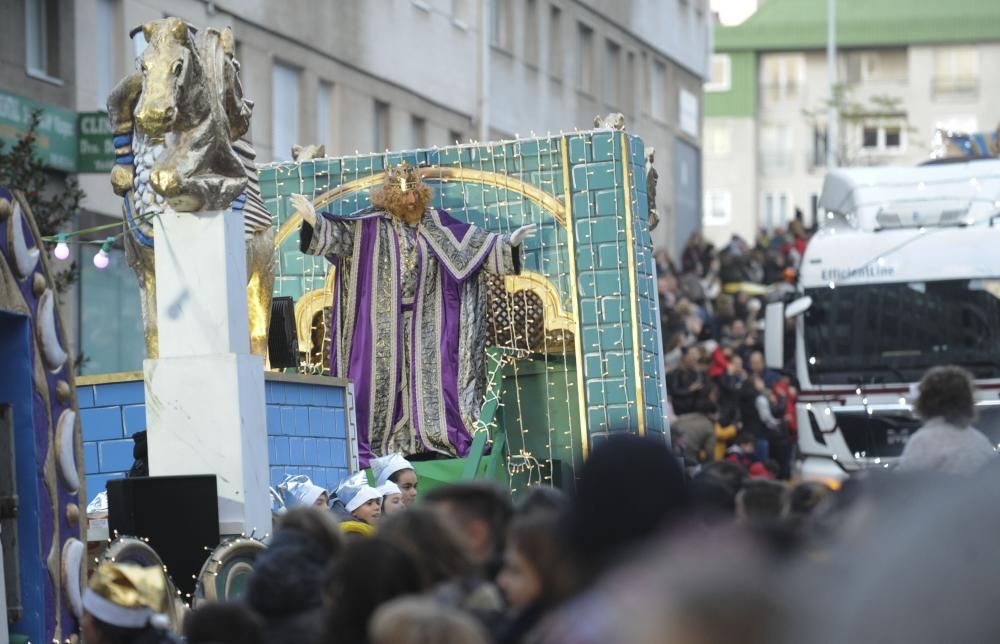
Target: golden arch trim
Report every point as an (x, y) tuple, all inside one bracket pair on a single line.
[(530, 192), (556, 319)]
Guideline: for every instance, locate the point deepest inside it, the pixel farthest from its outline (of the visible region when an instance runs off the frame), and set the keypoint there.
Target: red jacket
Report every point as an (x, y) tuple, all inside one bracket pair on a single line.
[(719, 363)]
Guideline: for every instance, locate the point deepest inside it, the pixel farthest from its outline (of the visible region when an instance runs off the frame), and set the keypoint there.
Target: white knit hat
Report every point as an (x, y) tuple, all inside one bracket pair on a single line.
[(355, 492), (385, 466), (298, 490), (388, 488)]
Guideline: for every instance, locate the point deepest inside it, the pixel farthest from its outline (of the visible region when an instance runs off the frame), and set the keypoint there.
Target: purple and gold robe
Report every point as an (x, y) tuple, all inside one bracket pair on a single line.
[(408, 324)]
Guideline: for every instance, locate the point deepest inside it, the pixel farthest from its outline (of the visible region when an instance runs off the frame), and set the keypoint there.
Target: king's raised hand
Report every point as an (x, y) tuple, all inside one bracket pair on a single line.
[(305, 208), (522, 233)]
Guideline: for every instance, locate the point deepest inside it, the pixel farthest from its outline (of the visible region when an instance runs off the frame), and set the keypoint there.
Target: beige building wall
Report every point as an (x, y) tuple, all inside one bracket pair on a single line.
[(422, 59), (938, 86)]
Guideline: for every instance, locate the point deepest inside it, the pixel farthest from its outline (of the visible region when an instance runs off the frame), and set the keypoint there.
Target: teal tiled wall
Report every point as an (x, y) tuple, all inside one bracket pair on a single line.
[(601, 163)]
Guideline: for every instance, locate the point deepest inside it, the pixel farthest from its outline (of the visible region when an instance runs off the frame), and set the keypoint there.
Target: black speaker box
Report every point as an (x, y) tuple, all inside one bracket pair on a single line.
[(282, 338), (179, 515)]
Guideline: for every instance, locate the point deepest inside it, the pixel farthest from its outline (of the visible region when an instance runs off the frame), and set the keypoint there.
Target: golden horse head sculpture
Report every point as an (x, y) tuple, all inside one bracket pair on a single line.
[(177, 123), (191, 95)]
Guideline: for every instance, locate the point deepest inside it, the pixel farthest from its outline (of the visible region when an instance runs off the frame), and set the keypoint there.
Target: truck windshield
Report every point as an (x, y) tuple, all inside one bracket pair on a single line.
[(879, 333)]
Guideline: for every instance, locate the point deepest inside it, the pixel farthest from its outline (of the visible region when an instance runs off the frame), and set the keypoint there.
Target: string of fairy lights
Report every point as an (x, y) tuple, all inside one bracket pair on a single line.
[(102, 258), (556, 164)]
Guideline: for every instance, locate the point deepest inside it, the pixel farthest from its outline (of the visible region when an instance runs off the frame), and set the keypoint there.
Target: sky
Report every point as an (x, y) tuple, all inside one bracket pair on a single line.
[(732, 12)]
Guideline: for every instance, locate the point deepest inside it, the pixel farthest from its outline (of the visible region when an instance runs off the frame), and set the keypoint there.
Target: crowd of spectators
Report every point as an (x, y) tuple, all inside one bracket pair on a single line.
[(639, 553), (725, 404), (647, 547)]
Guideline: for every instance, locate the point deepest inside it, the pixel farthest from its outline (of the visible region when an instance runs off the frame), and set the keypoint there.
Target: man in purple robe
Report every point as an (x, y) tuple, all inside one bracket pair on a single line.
[(408, 320)]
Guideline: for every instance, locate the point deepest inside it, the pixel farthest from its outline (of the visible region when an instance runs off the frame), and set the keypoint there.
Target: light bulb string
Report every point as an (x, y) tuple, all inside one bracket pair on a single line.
[(70, 237)]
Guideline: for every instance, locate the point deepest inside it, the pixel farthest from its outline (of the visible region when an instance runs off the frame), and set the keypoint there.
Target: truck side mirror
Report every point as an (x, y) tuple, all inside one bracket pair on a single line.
[(798, 307), (774, 335)]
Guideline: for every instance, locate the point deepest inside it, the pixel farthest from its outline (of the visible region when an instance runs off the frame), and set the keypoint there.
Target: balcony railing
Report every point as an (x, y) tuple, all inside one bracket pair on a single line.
[(963, 87)]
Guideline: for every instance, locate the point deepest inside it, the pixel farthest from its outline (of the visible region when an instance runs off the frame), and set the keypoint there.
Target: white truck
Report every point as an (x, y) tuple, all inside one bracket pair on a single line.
[(903, 275)]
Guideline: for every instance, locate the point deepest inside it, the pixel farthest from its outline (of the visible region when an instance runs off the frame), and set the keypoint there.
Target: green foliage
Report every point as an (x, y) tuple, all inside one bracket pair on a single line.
[(53, 205)]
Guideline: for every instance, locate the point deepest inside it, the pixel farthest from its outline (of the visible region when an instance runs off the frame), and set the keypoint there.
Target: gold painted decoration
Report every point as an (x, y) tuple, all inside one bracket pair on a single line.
[(73, 514), (38, 284), (468, 175), (63, 391), (633, 290), (525, 315), (179, 122), (189, 90)]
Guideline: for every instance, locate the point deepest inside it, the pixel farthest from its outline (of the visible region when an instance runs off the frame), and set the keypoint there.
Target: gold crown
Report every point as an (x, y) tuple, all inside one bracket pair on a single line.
[(404, 175)]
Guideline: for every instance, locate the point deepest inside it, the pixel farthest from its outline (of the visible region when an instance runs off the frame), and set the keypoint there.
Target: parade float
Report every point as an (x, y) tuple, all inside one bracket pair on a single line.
[(568, 350)]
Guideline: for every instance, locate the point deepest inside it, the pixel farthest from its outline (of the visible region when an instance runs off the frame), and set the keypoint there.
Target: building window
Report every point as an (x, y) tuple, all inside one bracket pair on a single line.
[(721, 74), (460, 12), (718, 140), (956, 73), (42, 38), (819, 147), (380, 133), (688, 109), (893, 137), (612, 74), (869, 137), (776, 149), (531, 32), (500, 31), (324, 100), (454, 137), (105, 52), (555, 42), (284, 111), (776, 209), (782, 77), (111, 332), (418, 132), (657, 84), (883, 138), (718, 207), (585, 59), (629, 98), (877, 66)]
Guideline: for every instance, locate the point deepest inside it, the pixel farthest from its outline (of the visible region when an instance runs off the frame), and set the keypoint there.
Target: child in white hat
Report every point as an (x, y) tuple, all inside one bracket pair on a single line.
[(297, 491), (362, 500), (392, 498), (396, 469)]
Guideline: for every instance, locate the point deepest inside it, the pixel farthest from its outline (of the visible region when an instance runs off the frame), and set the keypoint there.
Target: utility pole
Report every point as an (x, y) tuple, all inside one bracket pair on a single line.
[(484, 70), (832, 115)]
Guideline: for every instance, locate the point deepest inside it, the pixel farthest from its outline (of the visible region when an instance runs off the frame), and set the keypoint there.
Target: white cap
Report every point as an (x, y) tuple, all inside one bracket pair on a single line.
[(99, 503), (385, 466), (355, 492), (388, 488), (298, 490)]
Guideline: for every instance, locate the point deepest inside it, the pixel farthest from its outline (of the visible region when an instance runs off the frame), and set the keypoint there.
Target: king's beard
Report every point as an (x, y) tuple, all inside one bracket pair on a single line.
[(406, 205), (410, 214)]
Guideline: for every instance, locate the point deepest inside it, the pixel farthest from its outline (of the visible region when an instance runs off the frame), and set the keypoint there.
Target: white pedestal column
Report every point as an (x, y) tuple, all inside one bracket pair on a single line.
[(205, 409)]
